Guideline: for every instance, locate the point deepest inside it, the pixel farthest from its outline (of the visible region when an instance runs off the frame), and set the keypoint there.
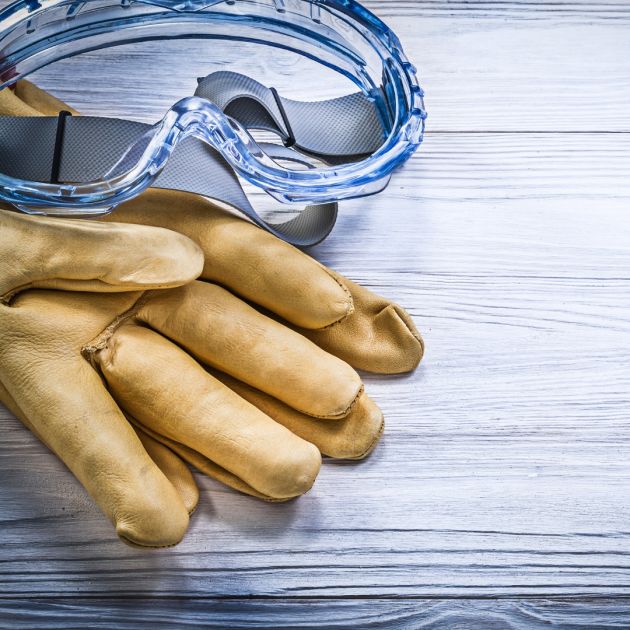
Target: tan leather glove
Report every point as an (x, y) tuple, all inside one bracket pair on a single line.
[(167, 393), (46, 382)]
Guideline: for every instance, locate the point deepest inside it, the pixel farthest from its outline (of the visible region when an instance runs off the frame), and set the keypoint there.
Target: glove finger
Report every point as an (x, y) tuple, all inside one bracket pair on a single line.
[(113, 467), (251, 262), (367, 331), (170, 464), (206, 465), (353, 437), (168, 392), (364, 329), (228, 334), (81, 255), (55, 391), (379, 336), (174, 469)]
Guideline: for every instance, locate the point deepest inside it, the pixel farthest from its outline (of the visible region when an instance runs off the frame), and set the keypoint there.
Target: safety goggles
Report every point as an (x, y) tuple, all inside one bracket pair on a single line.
[(330, 150)]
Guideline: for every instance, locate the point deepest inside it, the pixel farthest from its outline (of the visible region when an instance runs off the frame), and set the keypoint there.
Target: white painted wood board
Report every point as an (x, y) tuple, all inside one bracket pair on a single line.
[(500, 495)]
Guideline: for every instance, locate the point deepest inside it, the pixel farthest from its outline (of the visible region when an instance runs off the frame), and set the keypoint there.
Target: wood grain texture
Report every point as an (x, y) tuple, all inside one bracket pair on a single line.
[(506, 614), (483, 69), (501, 486), (530, 9)]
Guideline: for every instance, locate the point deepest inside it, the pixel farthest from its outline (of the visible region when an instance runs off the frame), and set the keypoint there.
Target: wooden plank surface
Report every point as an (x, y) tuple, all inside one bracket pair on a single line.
[(483, 67), (535, 614), (499, 497)]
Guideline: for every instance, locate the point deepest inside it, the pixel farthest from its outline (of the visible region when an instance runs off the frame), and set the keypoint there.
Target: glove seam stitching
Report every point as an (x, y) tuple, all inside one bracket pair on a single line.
[(100, 342), (337, 415), (345, 289), (371, 446)]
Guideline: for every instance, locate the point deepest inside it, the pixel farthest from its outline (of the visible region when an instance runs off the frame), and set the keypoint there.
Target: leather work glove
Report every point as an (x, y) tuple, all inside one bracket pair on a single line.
[(245, 373)]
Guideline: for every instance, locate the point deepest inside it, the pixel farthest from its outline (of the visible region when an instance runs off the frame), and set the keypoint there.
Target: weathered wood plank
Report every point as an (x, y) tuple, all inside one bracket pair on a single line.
[(513, 10), (505, 466), (535, 614), (504, 470), (486, 73)]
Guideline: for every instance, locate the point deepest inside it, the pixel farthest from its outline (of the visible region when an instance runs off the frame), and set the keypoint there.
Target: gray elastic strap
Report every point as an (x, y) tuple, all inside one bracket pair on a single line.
[(348, 127), (32, 148), (27, 151)]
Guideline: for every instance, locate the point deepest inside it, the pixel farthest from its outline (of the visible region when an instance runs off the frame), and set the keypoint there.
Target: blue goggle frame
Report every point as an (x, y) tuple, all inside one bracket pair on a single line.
[(341, 34)]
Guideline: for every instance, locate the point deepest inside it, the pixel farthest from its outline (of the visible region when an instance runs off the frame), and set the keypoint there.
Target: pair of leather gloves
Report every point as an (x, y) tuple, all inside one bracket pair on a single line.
[(173, 331)]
